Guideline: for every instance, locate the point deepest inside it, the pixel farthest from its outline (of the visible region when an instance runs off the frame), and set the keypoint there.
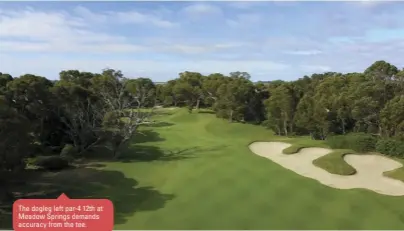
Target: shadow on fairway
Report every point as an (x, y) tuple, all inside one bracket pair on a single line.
[(146, 136), (141, 153), (159, 124), (138, 151), (162, 112), (127, 197), (206, 112)]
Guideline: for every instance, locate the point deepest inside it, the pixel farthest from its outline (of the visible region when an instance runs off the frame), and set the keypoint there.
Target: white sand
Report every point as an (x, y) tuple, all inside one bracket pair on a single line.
[(369, 168)]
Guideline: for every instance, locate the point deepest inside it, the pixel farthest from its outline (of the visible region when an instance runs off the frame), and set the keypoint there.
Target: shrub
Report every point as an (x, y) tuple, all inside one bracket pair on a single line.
[(51, 162), (390, 147), (337, 142), (362, 142), (68, 152), (316, 135), (359, 142)]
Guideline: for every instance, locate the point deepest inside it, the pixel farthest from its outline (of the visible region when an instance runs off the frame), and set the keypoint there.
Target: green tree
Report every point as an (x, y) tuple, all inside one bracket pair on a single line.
[(210, 86), (233, 98), (280, 108), (143, 88), (392, 117), (188, 88)]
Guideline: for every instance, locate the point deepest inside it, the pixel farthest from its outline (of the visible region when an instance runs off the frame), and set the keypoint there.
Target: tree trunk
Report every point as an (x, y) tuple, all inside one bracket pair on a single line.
[(291, 127), (343, 126), (231, 116), (116, 153), (83, 149), (285, 127), (197, 104), (380, 130)]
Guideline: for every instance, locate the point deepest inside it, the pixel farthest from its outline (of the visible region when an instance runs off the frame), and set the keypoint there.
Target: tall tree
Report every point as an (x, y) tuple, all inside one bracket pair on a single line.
[(280, 108), (392, 117), (189, 89)]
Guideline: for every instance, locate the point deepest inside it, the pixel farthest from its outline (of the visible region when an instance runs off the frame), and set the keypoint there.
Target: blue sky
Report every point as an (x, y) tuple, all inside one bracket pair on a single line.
[(270, 40)]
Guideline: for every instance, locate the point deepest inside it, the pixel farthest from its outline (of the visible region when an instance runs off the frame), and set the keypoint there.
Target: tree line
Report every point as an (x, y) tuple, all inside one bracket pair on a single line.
[(318, 105), (362, 111), (81, 110)]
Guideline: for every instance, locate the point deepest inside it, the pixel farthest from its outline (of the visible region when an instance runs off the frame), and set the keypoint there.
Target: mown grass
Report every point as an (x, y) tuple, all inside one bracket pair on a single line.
[(198, 173), (334, 162), (397, 174), (295, 148)]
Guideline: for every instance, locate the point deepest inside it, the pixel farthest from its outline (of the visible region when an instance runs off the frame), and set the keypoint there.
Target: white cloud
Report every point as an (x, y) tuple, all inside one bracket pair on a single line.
[(68, 47), (40, 31), (369, 3), (141, 18), (30, 30), (59, 32), (315, 68), (304, 52), (198, 10), (42, 65), (89, 15), (214, 47), (244, 5), (199, 49), (130, 17), (245, 20), (37, 25)]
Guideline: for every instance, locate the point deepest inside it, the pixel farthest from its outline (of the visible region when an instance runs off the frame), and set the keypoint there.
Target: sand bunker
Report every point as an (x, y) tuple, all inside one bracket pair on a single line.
[(369, 168)]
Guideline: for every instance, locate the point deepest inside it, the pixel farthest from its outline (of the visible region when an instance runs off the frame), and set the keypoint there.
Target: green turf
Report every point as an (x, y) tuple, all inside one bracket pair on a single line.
[(196, 172), (396, 173), (294, 148), (334, 162)]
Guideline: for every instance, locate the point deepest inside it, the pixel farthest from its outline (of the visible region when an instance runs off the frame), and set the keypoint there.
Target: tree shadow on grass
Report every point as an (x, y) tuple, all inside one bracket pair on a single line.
[(205, 111), (158, 124), (137, 150), (163, 111), (127, 197), (146, 135), (144, 153)]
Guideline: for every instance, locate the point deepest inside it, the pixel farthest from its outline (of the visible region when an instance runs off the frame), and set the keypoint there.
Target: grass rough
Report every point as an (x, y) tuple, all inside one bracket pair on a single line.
[(295, 148), (334, 162), (397, 174)]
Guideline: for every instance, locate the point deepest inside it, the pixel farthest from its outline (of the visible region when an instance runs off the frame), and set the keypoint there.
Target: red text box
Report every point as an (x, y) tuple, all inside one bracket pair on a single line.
[(63, 214)]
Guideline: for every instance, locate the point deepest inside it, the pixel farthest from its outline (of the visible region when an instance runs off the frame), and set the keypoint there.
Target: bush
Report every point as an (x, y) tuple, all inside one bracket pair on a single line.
[(51, 162), (68, 152), (359, 142), (390, 147)]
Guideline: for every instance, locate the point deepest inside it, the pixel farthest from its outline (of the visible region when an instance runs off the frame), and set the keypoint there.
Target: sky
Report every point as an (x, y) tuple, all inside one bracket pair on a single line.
[(269, 40)]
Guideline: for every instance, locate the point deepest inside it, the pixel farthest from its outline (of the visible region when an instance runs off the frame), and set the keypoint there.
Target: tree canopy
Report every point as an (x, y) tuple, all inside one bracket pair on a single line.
[(81, 110)]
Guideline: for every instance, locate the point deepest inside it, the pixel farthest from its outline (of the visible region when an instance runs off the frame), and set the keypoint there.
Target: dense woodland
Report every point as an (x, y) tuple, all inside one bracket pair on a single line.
[(58, 121)]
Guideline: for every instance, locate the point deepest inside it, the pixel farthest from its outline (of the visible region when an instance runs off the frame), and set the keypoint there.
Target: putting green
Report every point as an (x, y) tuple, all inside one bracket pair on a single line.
[(198, 173)]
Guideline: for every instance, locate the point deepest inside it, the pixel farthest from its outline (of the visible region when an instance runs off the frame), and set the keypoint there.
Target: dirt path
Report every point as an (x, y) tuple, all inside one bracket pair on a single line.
[(369, 168)]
